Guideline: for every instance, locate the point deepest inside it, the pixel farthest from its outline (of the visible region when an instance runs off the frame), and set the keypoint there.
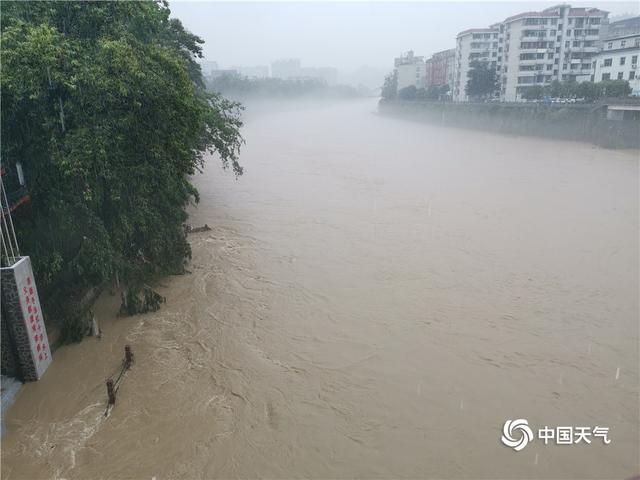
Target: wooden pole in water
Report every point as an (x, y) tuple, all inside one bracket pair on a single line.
[(128, 356), (111, 392)]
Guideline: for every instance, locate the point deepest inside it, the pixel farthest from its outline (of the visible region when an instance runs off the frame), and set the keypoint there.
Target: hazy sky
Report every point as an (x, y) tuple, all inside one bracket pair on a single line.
[(344, 35)]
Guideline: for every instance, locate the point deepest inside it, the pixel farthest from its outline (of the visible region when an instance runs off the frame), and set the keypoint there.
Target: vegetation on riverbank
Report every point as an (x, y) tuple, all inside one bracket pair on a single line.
[(105, 108), (582, 122), (238, 86)]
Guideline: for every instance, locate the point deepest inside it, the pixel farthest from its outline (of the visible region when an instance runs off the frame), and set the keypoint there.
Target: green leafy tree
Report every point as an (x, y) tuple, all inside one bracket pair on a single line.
[(408, 93), (535, 92), (104, 106), (390, 86), (243, 87), (482, 80), (615, 88), (554, 89), (569, 89), (588, 90)]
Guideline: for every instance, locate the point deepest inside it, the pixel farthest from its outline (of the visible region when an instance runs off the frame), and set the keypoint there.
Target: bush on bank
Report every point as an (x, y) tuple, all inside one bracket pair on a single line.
[(104, 106)]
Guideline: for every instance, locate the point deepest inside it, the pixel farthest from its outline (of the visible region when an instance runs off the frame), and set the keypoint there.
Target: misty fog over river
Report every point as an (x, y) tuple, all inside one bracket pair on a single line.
[(375, 299)]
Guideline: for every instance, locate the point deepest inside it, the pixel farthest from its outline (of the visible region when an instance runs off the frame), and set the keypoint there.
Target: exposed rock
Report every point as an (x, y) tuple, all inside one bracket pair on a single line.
[(140, 300), (190, 229)]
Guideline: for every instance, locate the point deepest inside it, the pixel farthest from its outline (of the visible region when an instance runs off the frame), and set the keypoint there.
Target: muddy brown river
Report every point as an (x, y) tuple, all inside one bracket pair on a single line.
[(375, 299)]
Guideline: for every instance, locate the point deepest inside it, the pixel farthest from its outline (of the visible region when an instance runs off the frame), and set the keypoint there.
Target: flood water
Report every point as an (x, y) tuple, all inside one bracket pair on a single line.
[(375, 299)]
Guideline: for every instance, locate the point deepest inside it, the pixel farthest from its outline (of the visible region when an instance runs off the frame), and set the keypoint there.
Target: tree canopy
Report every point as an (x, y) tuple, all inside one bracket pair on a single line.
[(586, 90), (390, 86), (103, 105), (244, 87), (482, 80)]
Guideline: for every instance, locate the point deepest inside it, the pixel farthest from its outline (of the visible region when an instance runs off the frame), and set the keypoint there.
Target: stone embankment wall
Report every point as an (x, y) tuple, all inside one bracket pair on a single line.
[(582, 122)]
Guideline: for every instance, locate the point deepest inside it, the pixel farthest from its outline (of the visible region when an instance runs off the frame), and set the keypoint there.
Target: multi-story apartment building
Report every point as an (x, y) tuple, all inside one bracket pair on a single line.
[(621, 28), (479, 44), (410, 70), (533, 48), (439, 69), (286, 68), (558, 43), (618, 60)]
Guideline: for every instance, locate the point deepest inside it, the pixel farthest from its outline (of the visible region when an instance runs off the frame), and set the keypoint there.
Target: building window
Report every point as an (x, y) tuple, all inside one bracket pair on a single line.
[(622, 60), (620, 75), (606, 76), (522, 80), (608, 62), (610, 45), (634, 60), (623, 43), (632, 74), (568, 33), (549, 67), (576, 44), (636, 43)]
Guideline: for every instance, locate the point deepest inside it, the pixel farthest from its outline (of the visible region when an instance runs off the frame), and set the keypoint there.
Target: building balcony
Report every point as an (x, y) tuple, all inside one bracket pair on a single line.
[(532, 38), (533, 61), (537, 50)]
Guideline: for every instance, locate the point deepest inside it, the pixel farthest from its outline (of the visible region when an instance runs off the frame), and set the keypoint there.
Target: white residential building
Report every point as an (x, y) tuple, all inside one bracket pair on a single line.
[(286, 68), (618, 60), (558, 43), (411, 70), (479, 44), (258, 71), (533, 48)]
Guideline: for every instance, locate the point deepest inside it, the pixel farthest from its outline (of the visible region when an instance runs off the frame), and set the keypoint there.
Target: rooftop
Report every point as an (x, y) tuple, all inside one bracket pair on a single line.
[(477, 30)]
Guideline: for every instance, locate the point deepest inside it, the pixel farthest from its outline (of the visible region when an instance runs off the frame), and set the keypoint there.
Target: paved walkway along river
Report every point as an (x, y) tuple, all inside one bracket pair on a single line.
[(375, 298)]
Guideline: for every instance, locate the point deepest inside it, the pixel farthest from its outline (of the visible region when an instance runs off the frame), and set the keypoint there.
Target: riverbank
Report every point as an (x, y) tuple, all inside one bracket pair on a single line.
[(581, 122)]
